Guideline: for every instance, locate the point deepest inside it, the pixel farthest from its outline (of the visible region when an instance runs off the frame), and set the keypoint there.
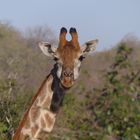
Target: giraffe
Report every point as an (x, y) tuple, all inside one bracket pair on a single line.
[(40, 117)]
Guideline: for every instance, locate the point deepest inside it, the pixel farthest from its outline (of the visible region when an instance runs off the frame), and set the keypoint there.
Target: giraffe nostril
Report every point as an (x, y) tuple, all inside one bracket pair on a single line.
[(71, 74), (67, 74)]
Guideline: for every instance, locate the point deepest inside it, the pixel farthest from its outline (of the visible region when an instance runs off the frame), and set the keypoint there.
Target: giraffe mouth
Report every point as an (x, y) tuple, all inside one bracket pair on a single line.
[(67, 83)]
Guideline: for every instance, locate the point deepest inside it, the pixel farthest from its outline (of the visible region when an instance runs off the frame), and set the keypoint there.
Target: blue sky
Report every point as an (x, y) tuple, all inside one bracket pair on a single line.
[(107, 20)]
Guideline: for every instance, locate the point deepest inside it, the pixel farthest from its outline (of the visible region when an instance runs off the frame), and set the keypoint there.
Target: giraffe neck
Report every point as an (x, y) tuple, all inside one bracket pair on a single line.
[(39, 119)]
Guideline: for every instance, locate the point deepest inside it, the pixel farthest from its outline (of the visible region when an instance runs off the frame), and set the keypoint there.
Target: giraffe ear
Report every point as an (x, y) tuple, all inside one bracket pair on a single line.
[(89, 46), (47, 48)]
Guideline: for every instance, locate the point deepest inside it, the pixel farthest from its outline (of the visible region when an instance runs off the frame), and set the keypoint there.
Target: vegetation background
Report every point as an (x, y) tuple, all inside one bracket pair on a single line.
[(104, 104)]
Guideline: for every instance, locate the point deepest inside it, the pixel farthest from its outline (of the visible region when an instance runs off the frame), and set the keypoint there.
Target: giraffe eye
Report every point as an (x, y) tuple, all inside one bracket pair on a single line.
[(55, 59), (81, 58)]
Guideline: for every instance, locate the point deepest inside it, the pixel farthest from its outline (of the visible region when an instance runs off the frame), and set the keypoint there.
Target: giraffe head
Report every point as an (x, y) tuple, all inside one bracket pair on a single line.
[(68, 55)]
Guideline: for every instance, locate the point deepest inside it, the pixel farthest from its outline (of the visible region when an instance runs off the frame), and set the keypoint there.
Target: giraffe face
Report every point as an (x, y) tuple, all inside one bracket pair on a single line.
[(68, 55), (68, 63)]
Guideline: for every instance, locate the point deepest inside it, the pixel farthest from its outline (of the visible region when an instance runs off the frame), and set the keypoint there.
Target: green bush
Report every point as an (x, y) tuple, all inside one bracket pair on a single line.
[(109, 111)]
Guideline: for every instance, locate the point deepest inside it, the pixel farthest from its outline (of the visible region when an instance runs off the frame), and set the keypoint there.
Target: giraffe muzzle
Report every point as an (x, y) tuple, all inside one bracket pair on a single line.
[(67, 78)]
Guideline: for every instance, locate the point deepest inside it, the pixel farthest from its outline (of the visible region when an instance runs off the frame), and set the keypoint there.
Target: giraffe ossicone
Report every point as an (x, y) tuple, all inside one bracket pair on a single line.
[(40, 117)]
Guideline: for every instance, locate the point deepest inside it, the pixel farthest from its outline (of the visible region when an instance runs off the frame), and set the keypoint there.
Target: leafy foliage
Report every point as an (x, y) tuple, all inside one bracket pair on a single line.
[(103, 105), (112, 112)]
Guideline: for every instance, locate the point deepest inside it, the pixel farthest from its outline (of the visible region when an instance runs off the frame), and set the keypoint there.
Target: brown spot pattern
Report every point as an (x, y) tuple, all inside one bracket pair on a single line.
[(42, 97), (35, 112), (49, 120), (34, 130), (42, 121), (27, 124), (24, 137), (43, 135), (47, 103)]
